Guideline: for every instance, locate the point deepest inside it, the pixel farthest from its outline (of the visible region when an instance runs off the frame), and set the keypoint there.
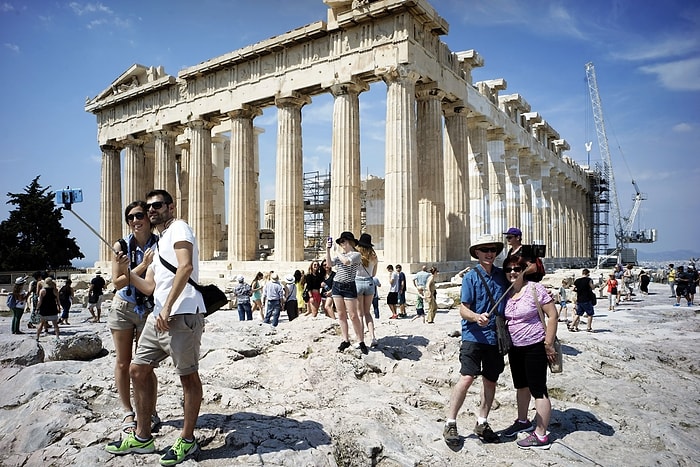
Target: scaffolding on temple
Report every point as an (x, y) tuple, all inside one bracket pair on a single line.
[(600, 203), (317, 196)]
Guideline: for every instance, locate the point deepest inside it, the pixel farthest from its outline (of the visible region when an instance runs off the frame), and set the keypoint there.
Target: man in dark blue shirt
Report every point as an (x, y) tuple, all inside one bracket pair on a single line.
[(478, 354)]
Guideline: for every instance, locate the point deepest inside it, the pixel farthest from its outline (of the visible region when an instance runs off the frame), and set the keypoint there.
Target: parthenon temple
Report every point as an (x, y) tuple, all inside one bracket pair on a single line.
[(461, 159)]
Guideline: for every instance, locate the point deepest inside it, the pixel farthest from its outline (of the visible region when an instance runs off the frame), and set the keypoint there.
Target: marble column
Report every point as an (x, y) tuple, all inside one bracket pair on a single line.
[(456, 178), (111, 220), (220, 150), (183, 177), (568, 219), (401, 206), (496, 152), (165, 167), (134, 171), (345, 158), (289, 208), (526, 219), (478, 178), (257, 131), (431, 181), (546, 214), (243, 189), (537, 232), (201, 209), (554, 245), (512, 184)]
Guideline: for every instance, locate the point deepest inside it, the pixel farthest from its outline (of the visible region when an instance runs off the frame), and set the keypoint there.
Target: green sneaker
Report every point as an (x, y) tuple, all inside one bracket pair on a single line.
[(131, 444), (179, 452)]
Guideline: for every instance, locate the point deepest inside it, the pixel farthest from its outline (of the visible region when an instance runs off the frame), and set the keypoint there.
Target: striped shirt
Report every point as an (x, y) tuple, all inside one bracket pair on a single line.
[(347, 273)]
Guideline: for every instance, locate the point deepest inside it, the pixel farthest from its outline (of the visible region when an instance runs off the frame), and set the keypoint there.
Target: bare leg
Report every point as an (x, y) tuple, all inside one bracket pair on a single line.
[(144, 396), (459, 393), (192, 389), (351, 306), (523, 399), (123, 345), (543, 407), (364, 304), (488, 392), (342, 317)]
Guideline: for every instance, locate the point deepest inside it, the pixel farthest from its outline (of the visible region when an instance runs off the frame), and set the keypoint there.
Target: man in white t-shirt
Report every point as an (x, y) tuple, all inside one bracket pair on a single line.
[(173, 330)]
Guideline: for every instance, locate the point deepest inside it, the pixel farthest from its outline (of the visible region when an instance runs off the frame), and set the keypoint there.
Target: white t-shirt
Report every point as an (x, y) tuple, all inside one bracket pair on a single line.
[(189, 301)]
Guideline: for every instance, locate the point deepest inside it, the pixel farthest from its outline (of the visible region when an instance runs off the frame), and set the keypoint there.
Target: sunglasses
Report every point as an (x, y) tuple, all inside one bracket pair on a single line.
[(509, 237), (136, 215), (515, 269), (156, 205), (492, 249)]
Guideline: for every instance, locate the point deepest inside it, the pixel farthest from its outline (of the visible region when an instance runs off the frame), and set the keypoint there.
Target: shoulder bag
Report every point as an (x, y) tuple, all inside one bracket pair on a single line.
[(502, 334), (558, 365), (214, 297)]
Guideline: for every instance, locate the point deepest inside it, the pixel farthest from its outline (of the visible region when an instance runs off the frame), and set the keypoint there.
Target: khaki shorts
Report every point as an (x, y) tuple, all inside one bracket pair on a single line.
[(122, 316), (181, 343)]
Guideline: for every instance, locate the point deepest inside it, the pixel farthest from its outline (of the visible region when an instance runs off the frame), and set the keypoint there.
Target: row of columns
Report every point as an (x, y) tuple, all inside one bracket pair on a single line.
[(443, 189)]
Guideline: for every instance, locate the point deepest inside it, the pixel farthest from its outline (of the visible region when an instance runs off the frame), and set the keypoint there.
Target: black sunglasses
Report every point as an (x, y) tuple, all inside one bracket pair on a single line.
[(136, 215), (508, 237), (492, 249), (515, 269), (156, 205)]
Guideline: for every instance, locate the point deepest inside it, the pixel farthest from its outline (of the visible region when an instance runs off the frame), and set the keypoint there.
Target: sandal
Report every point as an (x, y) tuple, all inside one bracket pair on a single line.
[(129, 426), (155, 423), (589, 330)]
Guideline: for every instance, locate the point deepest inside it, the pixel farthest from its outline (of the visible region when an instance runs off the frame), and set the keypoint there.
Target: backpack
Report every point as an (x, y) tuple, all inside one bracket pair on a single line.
[(11, 301)]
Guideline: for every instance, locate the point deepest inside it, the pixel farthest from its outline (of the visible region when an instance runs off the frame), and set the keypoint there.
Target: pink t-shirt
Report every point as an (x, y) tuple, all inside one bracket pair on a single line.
[(523, 318)]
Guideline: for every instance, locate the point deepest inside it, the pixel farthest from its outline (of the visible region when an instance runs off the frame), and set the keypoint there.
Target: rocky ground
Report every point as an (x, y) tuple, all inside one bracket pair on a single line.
[(286, 397)]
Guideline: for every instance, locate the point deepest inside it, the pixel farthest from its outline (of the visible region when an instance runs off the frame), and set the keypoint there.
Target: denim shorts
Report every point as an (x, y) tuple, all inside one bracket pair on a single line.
[(584, 307), (344, 289), (365, 286)]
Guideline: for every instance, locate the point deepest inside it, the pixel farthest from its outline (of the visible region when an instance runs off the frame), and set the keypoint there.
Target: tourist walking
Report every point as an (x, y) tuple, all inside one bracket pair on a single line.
[(174, 329), (327, 289), (563, 302), (420, 279), (243, 293), (392, 298), (628, 281), (291, 306), (644, 280), (312, 282), (130, 307), (532, 350), (585, 296), (612, 286), (430, 294), (35, 287), (364, 282), (48, 307), (256, 297), (16, 302), (478, 353), (274, 296), (95, 291), (346, 262), (401, 297), (672, 280), (65, 297)]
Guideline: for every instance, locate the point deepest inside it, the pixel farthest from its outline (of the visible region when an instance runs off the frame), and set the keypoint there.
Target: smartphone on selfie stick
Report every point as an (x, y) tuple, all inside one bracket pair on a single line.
[(69, 196)]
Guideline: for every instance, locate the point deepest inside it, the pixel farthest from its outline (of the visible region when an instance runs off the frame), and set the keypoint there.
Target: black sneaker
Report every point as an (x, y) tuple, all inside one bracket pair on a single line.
[(343, 345), (450, 433), (517, 427), (363, 348), (485, 433)]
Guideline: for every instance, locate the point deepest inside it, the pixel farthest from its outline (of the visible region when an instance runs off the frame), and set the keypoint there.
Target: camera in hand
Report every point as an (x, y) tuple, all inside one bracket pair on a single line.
[(533, 251)]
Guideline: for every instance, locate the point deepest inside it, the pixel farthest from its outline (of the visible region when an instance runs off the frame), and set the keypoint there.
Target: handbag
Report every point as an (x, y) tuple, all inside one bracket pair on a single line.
[(505, 343), (557, 366), (214, 298), (305, 295)]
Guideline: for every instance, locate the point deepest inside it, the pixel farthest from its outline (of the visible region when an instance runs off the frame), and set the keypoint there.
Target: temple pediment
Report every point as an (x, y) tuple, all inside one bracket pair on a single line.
[(134, 77)]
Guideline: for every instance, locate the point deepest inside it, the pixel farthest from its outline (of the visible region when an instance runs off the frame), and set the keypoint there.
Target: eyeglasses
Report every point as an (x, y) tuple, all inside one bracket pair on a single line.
[(510, 237), (491, 249), (136, 215), (155, 205), (515, 269)]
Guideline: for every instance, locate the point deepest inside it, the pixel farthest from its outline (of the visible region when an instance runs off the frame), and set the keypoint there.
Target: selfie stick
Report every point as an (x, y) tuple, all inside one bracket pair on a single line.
[(93, 231)]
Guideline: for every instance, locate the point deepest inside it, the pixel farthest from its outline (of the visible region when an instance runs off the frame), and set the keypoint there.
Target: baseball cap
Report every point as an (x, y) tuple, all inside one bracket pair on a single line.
[(514, 231)]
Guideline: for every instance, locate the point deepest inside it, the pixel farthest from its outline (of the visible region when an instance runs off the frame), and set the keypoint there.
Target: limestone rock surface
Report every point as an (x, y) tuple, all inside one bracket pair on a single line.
[(286, 397)]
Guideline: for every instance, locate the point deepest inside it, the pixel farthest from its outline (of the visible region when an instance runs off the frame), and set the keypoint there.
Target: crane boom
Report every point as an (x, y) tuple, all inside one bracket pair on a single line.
[(605, 153)]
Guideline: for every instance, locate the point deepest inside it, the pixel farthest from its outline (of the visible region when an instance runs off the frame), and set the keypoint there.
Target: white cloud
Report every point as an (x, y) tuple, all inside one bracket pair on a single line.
[(683, 128), (82, 9), (12, 47), (6, 7), (681, 75), (662, 49)]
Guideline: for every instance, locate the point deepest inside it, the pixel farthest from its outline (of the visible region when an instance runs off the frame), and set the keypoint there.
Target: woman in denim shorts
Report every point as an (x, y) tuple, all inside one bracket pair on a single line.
[(128, 313), (344, 290), (364, 281)]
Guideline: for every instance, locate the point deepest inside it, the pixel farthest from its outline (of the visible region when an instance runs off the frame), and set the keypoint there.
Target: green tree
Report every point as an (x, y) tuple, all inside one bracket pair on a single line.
[(32, 238)]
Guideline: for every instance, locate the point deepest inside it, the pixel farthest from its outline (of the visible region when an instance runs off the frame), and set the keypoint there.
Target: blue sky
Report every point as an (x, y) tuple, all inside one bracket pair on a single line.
[(646, 53)]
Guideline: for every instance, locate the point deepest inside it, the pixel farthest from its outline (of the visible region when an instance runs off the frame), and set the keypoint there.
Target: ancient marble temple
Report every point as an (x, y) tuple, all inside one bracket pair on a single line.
[(461, 158)]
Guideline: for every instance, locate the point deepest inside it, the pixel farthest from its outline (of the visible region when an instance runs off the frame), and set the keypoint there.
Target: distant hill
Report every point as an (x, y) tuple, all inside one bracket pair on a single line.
[(676, 255)]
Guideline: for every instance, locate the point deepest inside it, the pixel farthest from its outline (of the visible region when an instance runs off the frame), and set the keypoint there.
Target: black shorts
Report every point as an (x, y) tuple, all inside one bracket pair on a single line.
[(392, 298), (528, 367), (480, 359)]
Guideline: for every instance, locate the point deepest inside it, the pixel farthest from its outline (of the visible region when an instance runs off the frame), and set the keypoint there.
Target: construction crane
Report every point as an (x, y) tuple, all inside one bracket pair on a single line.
[(622, 225)]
